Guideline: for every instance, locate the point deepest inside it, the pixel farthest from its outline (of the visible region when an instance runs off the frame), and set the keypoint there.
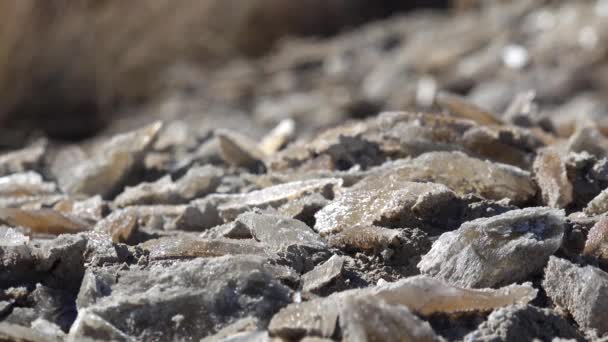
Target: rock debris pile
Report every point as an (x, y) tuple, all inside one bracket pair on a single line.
[(481, 218)]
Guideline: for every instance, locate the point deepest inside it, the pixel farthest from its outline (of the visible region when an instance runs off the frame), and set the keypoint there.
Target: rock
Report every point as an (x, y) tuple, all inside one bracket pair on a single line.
[(364, 319), (92, 209), (495, 251), (25, 184), (365, 238), (121, 225), (239, 150), (598, 205), (468, 175), (582, 291), (14, 332), (596, 245), (552, 178), (96, 283), (10, 237), (582, 173), (422, 295), (389, 200), (187, 248), (318, 317), (524, 323), (43, 221), (305, 208), (289, 239), (323, 275), (426, 296), (60, 262), (28, 158), (107, 167), (460, 107), (231, 206), (401, 134), (144, 303), (195, 183)]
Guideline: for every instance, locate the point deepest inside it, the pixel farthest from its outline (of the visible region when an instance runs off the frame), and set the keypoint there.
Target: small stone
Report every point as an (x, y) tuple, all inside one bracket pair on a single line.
[(596, 245), (14, 332), (22, 160), (388, 200), (239, 150), (462, 108), (499, 250), (10, 237), (108, 165), (524, 323), (425, 295), (25, 184), (323, 275), (120, 225), (290, 239), (231, 206), (467, 175), (365, 319), (188, 248), (91, 209), (43, 221), (195, 183), (305, 208), (598, 205), (552, 178), (582, 291), (142, 303)]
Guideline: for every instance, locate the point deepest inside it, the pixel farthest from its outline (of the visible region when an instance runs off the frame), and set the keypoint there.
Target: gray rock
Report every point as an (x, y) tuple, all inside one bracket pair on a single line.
[(229, 206), (106, 168), (197, 182), (365, 319), (582, 291), (496, 251), (523, 323), (389, 200), (186, 300), (289, 239), (323, 275), (25, 159), (15, 332), (188, 248)]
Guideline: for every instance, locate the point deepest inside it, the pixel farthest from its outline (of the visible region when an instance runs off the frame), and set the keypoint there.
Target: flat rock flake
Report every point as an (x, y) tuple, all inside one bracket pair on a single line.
[(317, 216)]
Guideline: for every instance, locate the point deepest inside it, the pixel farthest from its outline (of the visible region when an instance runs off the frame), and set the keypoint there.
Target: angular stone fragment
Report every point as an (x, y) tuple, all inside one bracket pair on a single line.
[(598, 205), (25, 184), (195, 183), (420, 294), (400, 135), (239, 150), (230, 206), (596, 245), (92, 209), (318, 317), (462, 108), (588, 138), (468, 175), (365, 319), (365, 238), (120, 225), (13, 332), (186, 300), (322, 275), (524, 323), (22, 160), (552, 178), (290, 239), (582, 291), (389, 200), (305, 208), (104, 170), (499, 250), (186, 248), (426, 296), (43, 221)]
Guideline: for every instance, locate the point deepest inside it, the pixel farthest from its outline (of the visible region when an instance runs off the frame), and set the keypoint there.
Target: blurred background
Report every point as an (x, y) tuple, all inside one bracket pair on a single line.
[(70, 69)]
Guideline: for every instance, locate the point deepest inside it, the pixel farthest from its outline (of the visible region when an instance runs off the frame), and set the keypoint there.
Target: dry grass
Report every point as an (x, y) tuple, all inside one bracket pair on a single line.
[(62, 62)]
